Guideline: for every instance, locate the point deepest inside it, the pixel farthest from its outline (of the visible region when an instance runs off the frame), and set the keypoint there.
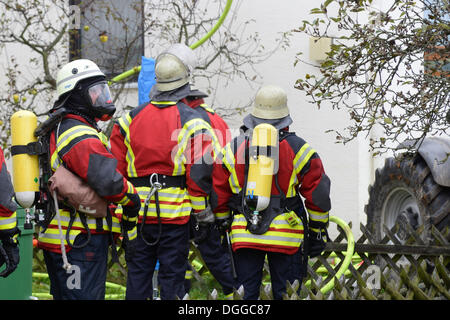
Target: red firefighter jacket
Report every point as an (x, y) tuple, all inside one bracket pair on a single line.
[(300, 170), (8, 207), (83, 150), (170, 139)]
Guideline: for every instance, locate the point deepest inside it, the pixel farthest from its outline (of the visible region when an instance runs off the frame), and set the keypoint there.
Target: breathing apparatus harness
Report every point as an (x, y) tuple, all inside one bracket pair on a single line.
[(48, 203), (258, 223), (156, 182)]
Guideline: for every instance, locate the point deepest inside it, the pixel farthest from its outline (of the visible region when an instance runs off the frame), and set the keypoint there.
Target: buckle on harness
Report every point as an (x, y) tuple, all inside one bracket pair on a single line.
[(154, 186)]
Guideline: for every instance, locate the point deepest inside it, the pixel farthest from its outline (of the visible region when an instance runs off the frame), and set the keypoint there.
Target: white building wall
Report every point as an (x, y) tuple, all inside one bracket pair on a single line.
[(348, 166)]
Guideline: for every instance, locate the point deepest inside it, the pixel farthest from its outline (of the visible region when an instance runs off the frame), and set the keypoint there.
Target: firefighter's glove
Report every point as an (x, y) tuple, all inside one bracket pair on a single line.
[(316, 242), (204, 217), (130, 247), (9, 251), (129, 231), (223, 224)]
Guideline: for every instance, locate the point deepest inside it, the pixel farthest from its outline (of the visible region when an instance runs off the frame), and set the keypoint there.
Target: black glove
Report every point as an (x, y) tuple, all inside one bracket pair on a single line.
[(130, 248), (129, 226), (205, 217), (9, 252), (316, 242), (223, 224)]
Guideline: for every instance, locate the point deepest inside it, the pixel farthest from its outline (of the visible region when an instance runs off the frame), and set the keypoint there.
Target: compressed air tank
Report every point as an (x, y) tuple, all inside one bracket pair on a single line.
[(25, 166), (262, 160)]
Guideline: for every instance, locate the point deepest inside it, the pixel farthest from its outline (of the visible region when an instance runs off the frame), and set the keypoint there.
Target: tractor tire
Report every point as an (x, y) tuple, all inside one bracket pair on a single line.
[(405, 192)]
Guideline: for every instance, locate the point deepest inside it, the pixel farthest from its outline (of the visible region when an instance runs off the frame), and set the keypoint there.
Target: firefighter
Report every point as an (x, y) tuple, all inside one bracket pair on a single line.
[(273, 228), (162, 147), (76, 142), (209, 238), (9, 249)]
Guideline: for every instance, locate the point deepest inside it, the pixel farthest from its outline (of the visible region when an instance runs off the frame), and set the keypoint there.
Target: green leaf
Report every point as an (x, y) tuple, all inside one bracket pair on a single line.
[(327, 3)]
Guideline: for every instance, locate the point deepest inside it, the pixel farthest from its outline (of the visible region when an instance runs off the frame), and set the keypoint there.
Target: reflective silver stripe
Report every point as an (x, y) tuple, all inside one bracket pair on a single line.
[(193, 126), (56, 236), (197, 203), (317, 217), (7, 220), (179, 209), (238, 234), (144, 193), (76, 76), (133, 234), (301, 158), (124, 123), (229, 161)]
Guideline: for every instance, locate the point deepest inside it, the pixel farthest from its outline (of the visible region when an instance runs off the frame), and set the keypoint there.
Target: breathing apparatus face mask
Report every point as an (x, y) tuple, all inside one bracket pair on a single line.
[(99, 98)]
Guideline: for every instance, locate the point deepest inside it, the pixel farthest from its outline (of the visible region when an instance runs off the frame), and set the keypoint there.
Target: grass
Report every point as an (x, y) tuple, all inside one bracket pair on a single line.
[(116, 281)]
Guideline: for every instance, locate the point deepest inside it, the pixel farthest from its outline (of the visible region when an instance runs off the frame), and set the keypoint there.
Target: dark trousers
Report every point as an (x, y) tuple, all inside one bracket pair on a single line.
[(172, 252), (216, 256), (249, 267), (87, 277)]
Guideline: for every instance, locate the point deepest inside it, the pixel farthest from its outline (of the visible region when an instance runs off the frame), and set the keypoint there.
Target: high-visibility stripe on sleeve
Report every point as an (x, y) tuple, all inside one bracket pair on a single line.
[(198, 203), (222, 215), (318, 216), (301, 159), (229, 162), (124, 123), (189, 129), (167, 103), (7, 223)]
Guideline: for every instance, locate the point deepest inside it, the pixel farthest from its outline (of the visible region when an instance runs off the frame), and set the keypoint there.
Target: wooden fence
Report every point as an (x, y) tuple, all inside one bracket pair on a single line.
[(384, 270)]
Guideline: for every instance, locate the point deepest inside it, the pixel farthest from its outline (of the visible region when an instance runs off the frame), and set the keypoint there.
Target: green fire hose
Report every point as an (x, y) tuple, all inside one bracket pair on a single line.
[(136, 69), (348, 255), (329, 286)]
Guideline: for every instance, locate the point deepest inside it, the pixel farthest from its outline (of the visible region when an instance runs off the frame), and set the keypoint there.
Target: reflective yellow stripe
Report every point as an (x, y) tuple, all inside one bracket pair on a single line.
[(65, 218), (164, 102), (301, 159), (188, 275), (7, 223), (75, 132), (205, 106), (318, 216), (125, 200), (222, 215), (180, 205), (52, 236), (67, 136), (124, 123), (186, 133), (229, 162), (274, 237), (198, 203), (132, 234)]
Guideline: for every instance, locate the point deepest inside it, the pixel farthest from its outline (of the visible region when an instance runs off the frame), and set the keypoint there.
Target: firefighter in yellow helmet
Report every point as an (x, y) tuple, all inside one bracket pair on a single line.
[(259, 182), (164, 148), (9, 250)]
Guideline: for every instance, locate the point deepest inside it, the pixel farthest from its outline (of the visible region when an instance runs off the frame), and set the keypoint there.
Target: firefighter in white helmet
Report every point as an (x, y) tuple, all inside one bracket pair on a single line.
[(76, 143), (278, 227)]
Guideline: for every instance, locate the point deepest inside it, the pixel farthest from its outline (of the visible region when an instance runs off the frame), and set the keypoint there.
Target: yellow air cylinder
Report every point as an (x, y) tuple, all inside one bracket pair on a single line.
[(262, 160), (25, 166)]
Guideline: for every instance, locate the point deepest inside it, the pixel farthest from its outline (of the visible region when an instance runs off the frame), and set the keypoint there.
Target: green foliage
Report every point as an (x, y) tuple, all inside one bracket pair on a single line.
[(387, 67)]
